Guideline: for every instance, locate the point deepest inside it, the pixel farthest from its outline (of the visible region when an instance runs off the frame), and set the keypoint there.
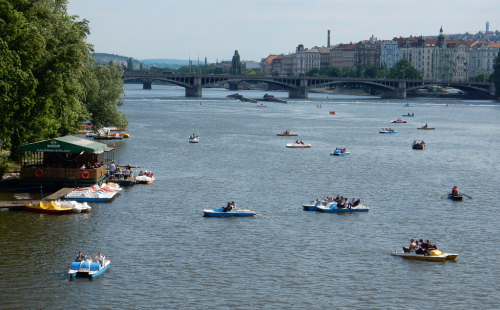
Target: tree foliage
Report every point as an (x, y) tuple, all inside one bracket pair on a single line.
[(236, 65), (495, 76), (43, 61), (482, 77), (404, 70), (333, 72)]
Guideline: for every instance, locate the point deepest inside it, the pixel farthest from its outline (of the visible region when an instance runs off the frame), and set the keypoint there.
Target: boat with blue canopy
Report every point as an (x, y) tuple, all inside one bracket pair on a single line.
[(332, 207), (88, 268), (340, 152)]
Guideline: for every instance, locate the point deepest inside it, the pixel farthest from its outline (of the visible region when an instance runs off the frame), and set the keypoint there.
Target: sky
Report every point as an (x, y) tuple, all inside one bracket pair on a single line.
[(183, 29)]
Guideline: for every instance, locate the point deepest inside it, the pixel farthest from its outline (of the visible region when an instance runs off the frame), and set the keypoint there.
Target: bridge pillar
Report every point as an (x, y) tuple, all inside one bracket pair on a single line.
[(300, 93), (196, 89), (146, 84), (399, 93), (233, 85)]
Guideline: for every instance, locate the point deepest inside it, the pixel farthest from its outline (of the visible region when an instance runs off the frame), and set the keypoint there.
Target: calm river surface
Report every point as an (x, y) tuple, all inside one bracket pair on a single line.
[(165, 254)]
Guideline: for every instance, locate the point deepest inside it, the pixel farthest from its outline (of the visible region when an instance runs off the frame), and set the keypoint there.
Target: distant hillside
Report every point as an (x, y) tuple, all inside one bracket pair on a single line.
[(104, 59), (166, 63)]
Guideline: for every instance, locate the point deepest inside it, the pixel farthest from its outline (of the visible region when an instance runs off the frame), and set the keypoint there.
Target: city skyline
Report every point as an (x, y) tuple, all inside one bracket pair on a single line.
[(170, 29)]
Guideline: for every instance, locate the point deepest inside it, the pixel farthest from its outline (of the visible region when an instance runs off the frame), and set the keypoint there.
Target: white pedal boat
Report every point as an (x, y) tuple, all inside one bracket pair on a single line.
[(298, 145), (78, 207), (332, 207)]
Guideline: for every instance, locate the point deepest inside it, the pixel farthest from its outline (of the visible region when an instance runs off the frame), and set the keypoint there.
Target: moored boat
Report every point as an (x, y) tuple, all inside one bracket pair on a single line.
[(77, 207), (340, 152), (409, 115), (433, 256), (91, 194), (299, 145), (88, 268), (425, 127), (219, 212), (49, 208), (89, 134)]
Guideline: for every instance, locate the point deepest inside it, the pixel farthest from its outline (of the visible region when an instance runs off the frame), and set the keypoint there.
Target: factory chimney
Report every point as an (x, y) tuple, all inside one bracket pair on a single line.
[(328, 45)]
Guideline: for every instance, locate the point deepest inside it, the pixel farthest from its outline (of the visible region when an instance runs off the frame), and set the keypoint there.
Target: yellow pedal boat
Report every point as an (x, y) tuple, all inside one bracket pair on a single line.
[(434, 255)]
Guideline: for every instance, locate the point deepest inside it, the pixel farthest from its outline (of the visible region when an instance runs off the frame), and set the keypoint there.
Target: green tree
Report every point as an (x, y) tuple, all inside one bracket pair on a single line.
[(348, 72), (482, 77), (334, 72), (359, 71), (373, 71), (313, 72), (495, 76), (43, 62), (103, 88), (130, 64), (404, 70), (236, 65)]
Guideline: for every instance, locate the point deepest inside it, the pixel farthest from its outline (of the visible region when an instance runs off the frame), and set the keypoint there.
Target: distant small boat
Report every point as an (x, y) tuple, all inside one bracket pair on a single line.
[(409, 115), (287, 134), (458, 197), (399, 121), (89, 134), (262, 105), (144, 179), (219, 212), (332, 113), (387, 130), (341, 152), (426, 128), (298, 145), (194, 139), (332, 207), (408, 105), (418, 145)]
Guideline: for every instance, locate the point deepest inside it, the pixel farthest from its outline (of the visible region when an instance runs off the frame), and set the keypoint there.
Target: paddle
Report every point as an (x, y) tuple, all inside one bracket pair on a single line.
[(446, 194), (467, 196)]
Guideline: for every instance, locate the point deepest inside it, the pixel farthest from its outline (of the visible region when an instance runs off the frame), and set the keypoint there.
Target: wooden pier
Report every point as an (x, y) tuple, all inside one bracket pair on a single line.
[(16, 204)]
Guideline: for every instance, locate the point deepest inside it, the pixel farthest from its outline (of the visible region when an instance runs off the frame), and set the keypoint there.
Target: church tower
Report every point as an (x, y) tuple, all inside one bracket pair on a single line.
[(440, 40)]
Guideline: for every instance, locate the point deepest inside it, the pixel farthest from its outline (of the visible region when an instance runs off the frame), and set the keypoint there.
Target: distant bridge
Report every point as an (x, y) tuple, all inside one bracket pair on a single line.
[(298, 86)]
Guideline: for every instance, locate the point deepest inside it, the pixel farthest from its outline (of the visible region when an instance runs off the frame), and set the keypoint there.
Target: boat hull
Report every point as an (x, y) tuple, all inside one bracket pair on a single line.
[(310, 208), (437, 258), (88, 269), (37, 210), (387, 131), (298, 146), (332, 208), (87, 199), (287, 134), (458, 197), (409, 115), (426, 128), (194, 140), (399, 122), (233, 213)]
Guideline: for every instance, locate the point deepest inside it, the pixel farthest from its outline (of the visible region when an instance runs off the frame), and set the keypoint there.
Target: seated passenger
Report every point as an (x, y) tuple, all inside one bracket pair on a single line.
[(411, 247), (80, 257), (99, 259), (357, 202), (418, 248)]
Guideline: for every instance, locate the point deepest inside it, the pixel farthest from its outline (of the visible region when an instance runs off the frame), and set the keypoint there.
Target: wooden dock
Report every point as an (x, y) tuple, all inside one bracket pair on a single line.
[(14, 205)]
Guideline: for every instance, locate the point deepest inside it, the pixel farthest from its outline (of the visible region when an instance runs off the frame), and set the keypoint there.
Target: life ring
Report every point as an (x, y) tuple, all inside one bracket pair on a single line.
[(39, 173), (85, 174)]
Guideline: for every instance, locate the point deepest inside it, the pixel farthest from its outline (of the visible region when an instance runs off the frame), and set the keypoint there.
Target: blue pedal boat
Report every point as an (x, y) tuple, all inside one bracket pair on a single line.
[(339, 153), (219, 212), (88, 268), (333, 208)]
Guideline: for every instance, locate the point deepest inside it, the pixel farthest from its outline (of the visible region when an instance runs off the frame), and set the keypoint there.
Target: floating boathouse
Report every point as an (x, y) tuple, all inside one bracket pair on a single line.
[(64, 161)]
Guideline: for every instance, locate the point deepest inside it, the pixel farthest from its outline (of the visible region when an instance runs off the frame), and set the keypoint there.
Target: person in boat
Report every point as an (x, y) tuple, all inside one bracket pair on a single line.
[(425, 126), (297, 142), (346, 203), (141, 173), (80, 257), (455, 191), (337, 199), (357, 202), (431, 246), (99, 258), (411, 247), (228, 207), (418, 248), (301, 142)]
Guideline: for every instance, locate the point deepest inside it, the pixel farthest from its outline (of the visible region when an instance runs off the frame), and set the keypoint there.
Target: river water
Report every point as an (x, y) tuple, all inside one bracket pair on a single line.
[(165, 254)]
